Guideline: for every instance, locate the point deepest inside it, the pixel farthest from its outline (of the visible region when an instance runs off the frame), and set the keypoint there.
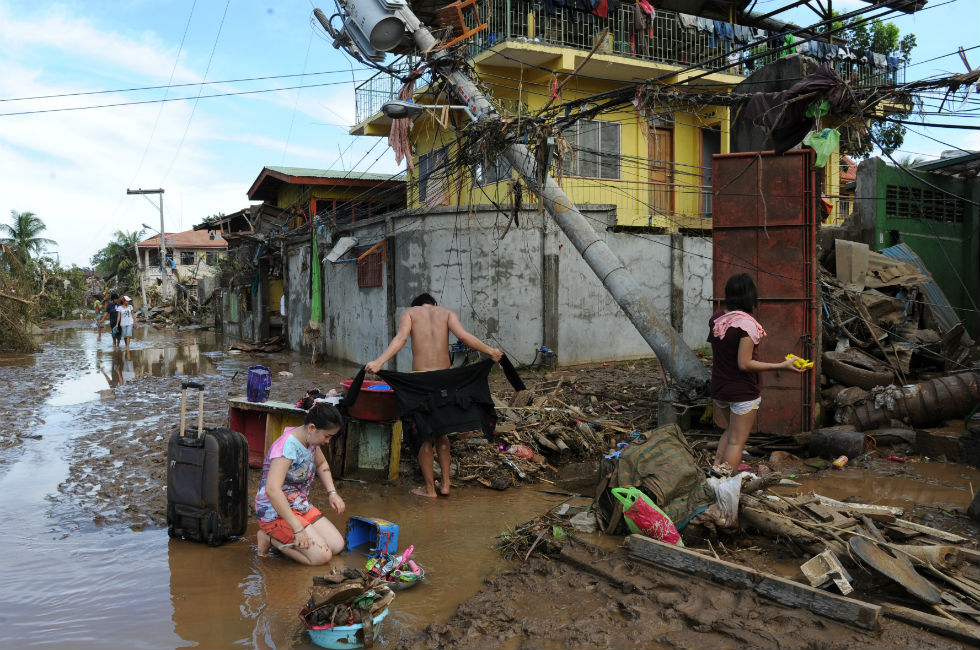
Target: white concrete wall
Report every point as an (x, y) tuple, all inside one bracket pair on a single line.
[(296, 288), (496, 287)]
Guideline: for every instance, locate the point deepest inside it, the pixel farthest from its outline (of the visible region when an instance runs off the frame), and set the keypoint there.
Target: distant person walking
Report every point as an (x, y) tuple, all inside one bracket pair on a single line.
[(429, 326), (126, 319)]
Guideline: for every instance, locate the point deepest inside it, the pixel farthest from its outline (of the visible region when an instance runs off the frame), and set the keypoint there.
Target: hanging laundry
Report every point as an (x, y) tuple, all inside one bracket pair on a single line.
[(743, 33), (641, 32), (688, 21), (723, 30)]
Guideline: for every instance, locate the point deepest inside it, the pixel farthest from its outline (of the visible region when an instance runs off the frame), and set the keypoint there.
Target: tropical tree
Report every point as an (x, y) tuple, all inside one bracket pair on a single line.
[(23, 236), (118, 258), (884, 38)]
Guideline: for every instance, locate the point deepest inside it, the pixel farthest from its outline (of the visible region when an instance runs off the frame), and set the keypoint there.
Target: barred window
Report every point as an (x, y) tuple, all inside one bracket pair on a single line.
[(595, 149), (497, 170), (187, 258), (370, 267), (922, 203), (433, 177)]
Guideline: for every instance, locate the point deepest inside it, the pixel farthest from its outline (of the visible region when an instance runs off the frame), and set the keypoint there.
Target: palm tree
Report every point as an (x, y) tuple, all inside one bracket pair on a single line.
[(22, 236), (118, 257)]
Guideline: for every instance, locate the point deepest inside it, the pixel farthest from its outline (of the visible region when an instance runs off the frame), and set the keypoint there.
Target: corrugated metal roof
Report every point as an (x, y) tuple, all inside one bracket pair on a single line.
[(933, 296), (186, 239), (333, 173)]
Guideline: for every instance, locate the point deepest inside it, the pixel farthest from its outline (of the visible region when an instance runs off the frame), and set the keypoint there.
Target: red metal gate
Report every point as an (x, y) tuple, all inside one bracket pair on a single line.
[(764, 220)]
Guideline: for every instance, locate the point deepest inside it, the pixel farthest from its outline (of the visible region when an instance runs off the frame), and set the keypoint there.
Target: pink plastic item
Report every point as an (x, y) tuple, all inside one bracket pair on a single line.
[(652, 522), (521, 451)]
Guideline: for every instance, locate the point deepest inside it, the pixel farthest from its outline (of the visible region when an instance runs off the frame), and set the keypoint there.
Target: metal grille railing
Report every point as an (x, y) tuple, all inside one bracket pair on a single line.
[(528, 21)]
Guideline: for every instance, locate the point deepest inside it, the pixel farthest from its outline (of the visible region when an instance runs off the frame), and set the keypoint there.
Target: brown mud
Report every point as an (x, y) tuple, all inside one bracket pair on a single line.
[(82, 446)]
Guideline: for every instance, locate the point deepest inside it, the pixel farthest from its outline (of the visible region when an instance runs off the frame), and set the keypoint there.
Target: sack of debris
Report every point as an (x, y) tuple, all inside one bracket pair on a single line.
[(662, 467)]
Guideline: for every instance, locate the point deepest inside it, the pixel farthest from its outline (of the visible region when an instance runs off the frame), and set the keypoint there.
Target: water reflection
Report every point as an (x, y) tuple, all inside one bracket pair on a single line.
[(116, 367)]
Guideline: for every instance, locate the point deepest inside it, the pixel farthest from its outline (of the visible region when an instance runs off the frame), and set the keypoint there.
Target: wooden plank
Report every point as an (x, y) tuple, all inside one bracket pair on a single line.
[(863, 507), (947, 627), (773, 587), (931, 532)]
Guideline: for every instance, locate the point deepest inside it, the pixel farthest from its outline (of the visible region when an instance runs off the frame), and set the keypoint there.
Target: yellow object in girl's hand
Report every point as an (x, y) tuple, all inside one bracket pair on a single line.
[(799, 362)]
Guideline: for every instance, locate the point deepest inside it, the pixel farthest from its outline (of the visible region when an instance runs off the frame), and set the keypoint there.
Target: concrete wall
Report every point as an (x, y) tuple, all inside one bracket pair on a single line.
[(501, 291), (296, 287)]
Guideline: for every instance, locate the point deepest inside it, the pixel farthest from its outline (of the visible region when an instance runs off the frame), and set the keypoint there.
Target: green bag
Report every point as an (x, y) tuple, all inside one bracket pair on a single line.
[(824, 143)]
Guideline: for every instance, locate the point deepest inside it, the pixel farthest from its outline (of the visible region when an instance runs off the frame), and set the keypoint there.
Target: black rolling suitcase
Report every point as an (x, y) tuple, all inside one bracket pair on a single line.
[(207, 480)]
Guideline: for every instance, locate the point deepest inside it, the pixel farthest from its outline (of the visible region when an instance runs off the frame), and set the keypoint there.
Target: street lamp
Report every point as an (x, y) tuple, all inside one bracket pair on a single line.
[(398, 109)]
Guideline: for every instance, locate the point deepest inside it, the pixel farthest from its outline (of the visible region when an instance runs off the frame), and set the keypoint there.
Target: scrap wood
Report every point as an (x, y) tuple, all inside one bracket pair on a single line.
[(834, 503), (781, 590), (780, 526), (953, 629)]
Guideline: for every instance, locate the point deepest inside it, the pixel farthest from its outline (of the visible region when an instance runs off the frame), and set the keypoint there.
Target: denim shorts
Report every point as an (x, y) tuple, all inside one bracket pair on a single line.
[(127, 331), (739, 408)]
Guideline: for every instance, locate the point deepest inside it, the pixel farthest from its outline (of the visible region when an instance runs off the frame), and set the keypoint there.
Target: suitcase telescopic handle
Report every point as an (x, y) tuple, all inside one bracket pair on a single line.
[(184, 385)]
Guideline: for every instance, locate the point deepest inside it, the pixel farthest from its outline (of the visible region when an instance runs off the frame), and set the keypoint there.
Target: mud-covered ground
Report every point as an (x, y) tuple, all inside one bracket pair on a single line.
[(545, 603), (116, 478)]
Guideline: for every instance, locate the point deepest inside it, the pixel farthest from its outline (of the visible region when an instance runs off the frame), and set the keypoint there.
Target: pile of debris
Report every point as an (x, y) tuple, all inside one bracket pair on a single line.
[(895, 352), (273, 344), (343, 607), (552, 424)]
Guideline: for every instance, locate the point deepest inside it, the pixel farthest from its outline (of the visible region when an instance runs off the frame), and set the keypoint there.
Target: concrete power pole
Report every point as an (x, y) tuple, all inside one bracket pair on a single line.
[(164, 288), (669, 347)]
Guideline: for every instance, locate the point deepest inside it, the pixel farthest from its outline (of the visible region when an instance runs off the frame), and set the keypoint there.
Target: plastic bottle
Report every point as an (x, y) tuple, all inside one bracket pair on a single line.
[(839, 462)]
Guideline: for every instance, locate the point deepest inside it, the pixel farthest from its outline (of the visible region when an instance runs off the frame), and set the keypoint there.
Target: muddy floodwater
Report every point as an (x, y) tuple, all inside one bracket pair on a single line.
[(87, 562)]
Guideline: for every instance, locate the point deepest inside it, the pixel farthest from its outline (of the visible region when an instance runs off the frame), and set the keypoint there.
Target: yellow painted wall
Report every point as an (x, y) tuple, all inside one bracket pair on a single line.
[(528, 92)]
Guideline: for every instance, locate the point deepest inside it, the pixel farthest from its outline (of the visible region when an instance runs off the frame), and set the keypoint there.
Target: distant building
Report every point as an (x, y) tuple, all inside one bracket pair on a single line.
[(191, 254)]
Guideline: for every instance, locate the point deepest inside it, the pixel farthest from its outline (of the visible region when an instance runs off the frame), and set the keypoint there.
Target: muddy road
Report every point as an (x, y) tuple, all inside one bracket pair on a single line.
[(88, 564), (87, 561)]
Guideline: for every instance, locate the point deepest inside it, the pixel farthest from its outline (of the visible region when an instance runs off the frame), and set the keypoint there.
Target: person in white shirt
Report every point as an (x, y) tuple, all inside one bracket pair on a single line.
[(126, 319)]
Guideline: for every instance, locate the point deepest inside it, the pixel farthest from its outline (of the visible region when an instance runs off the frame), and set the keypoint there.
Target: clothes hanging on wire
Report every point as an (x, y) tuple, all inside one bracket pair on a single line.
[(688, 21)]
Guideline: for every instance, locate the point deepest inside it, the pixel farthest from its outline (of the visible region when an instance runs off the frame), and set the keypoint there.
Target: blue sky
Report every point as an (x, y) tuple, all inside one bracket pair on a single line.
[(72, 168)]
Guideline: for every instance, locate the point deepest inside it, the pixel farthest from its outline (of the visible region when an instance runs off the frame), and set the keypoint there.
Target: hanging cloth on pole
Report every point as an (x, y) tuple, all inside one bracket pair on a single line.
[(316, 309)]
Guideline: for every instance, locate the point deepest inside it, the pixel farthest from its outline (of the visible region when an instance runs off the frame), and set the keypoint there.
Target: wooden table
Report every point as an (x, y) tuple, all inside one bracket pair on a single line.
[(261, 423)]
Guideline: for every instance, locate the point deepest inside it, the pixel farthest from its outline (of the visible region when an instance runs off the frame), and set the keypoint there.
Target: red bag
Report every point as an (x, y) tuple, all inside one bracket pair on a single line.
[(653, 523)]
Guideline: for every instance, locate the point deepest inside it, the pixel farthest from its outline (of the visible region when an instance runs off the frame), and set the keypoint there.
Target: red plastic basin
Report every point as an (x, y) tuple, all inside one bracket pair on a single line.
[(373, 405)]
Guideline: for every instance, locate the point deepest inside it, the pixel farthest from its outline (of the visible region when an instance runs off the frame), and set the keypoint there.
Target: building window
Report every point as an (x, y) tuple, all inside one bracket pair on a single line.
[(370, 267), (595, 149), (922, 203), (433, 177), (211, 258), (187, 258), (498, 169)]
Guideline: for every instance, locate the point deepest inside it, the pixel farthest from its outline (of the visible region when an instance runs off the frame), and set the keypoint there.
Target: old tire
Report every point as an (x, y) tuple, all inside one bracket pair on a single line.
[(845, 372)]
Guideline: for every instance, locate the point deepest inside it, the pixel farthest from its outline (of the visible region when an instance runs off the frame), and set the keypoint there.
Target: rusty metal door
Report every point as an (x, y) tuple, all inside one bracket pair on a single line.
[(764, 224)]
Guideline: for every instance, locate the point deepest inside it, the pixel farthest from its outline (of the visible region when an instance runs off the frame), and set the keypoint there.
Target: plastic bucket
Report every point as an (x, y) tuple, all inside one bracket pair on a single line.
[(259, 382), (343, 636)]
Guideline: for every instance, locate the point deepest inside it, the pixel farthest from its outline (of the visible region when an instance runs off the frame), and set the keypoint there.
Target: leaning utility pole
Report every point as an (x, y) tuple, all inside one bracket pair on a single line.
[(369, 28)]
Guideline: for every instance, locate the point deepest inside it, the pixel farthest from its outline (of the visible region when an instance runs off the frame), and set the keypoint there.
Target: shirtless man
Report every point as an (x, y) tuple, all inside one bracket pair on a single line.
[(429, 326)]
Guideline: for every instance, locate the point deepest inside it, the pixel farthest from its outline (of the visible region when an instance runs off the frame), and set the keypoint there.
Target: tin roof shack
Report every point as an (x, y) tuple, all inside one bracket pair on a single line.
[(301, 202), (933, 209)]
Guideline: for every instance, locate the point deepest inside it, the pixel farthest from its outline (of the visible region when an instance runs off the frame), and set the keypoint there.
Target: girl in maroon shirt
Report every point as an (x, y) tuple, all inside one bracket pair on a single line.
[(734, 336)]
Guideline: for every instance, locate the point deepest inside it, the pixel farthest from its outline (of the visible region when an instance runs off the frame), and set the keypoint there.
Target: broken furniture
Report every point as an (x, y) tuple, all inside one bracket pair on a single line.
[(261, 423)]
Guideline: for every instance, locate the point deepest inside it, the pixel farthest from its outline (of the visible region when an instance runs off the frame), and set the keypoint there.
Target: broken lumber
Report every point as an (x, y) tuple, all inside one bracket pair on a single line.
[(947, 627), (781, 590), (931, 532), (864, 508), (779, 526)]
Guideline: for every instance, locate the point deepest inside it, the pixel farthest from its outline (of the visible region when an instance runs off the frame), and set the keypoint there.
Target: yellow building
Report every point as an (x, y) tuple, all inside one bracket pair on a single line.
[(654, 166)]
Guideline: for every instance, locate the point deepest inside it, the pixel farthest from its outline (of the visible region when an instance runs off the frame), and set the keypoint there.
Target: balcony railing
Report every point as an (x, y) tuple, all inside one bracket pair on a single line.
[(527, 21)]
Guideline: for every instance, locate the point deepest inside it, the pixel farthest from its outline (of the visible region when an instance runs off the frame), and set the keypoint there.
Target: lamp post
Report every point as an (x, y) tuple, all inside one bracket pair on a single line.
[(164, 288)]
